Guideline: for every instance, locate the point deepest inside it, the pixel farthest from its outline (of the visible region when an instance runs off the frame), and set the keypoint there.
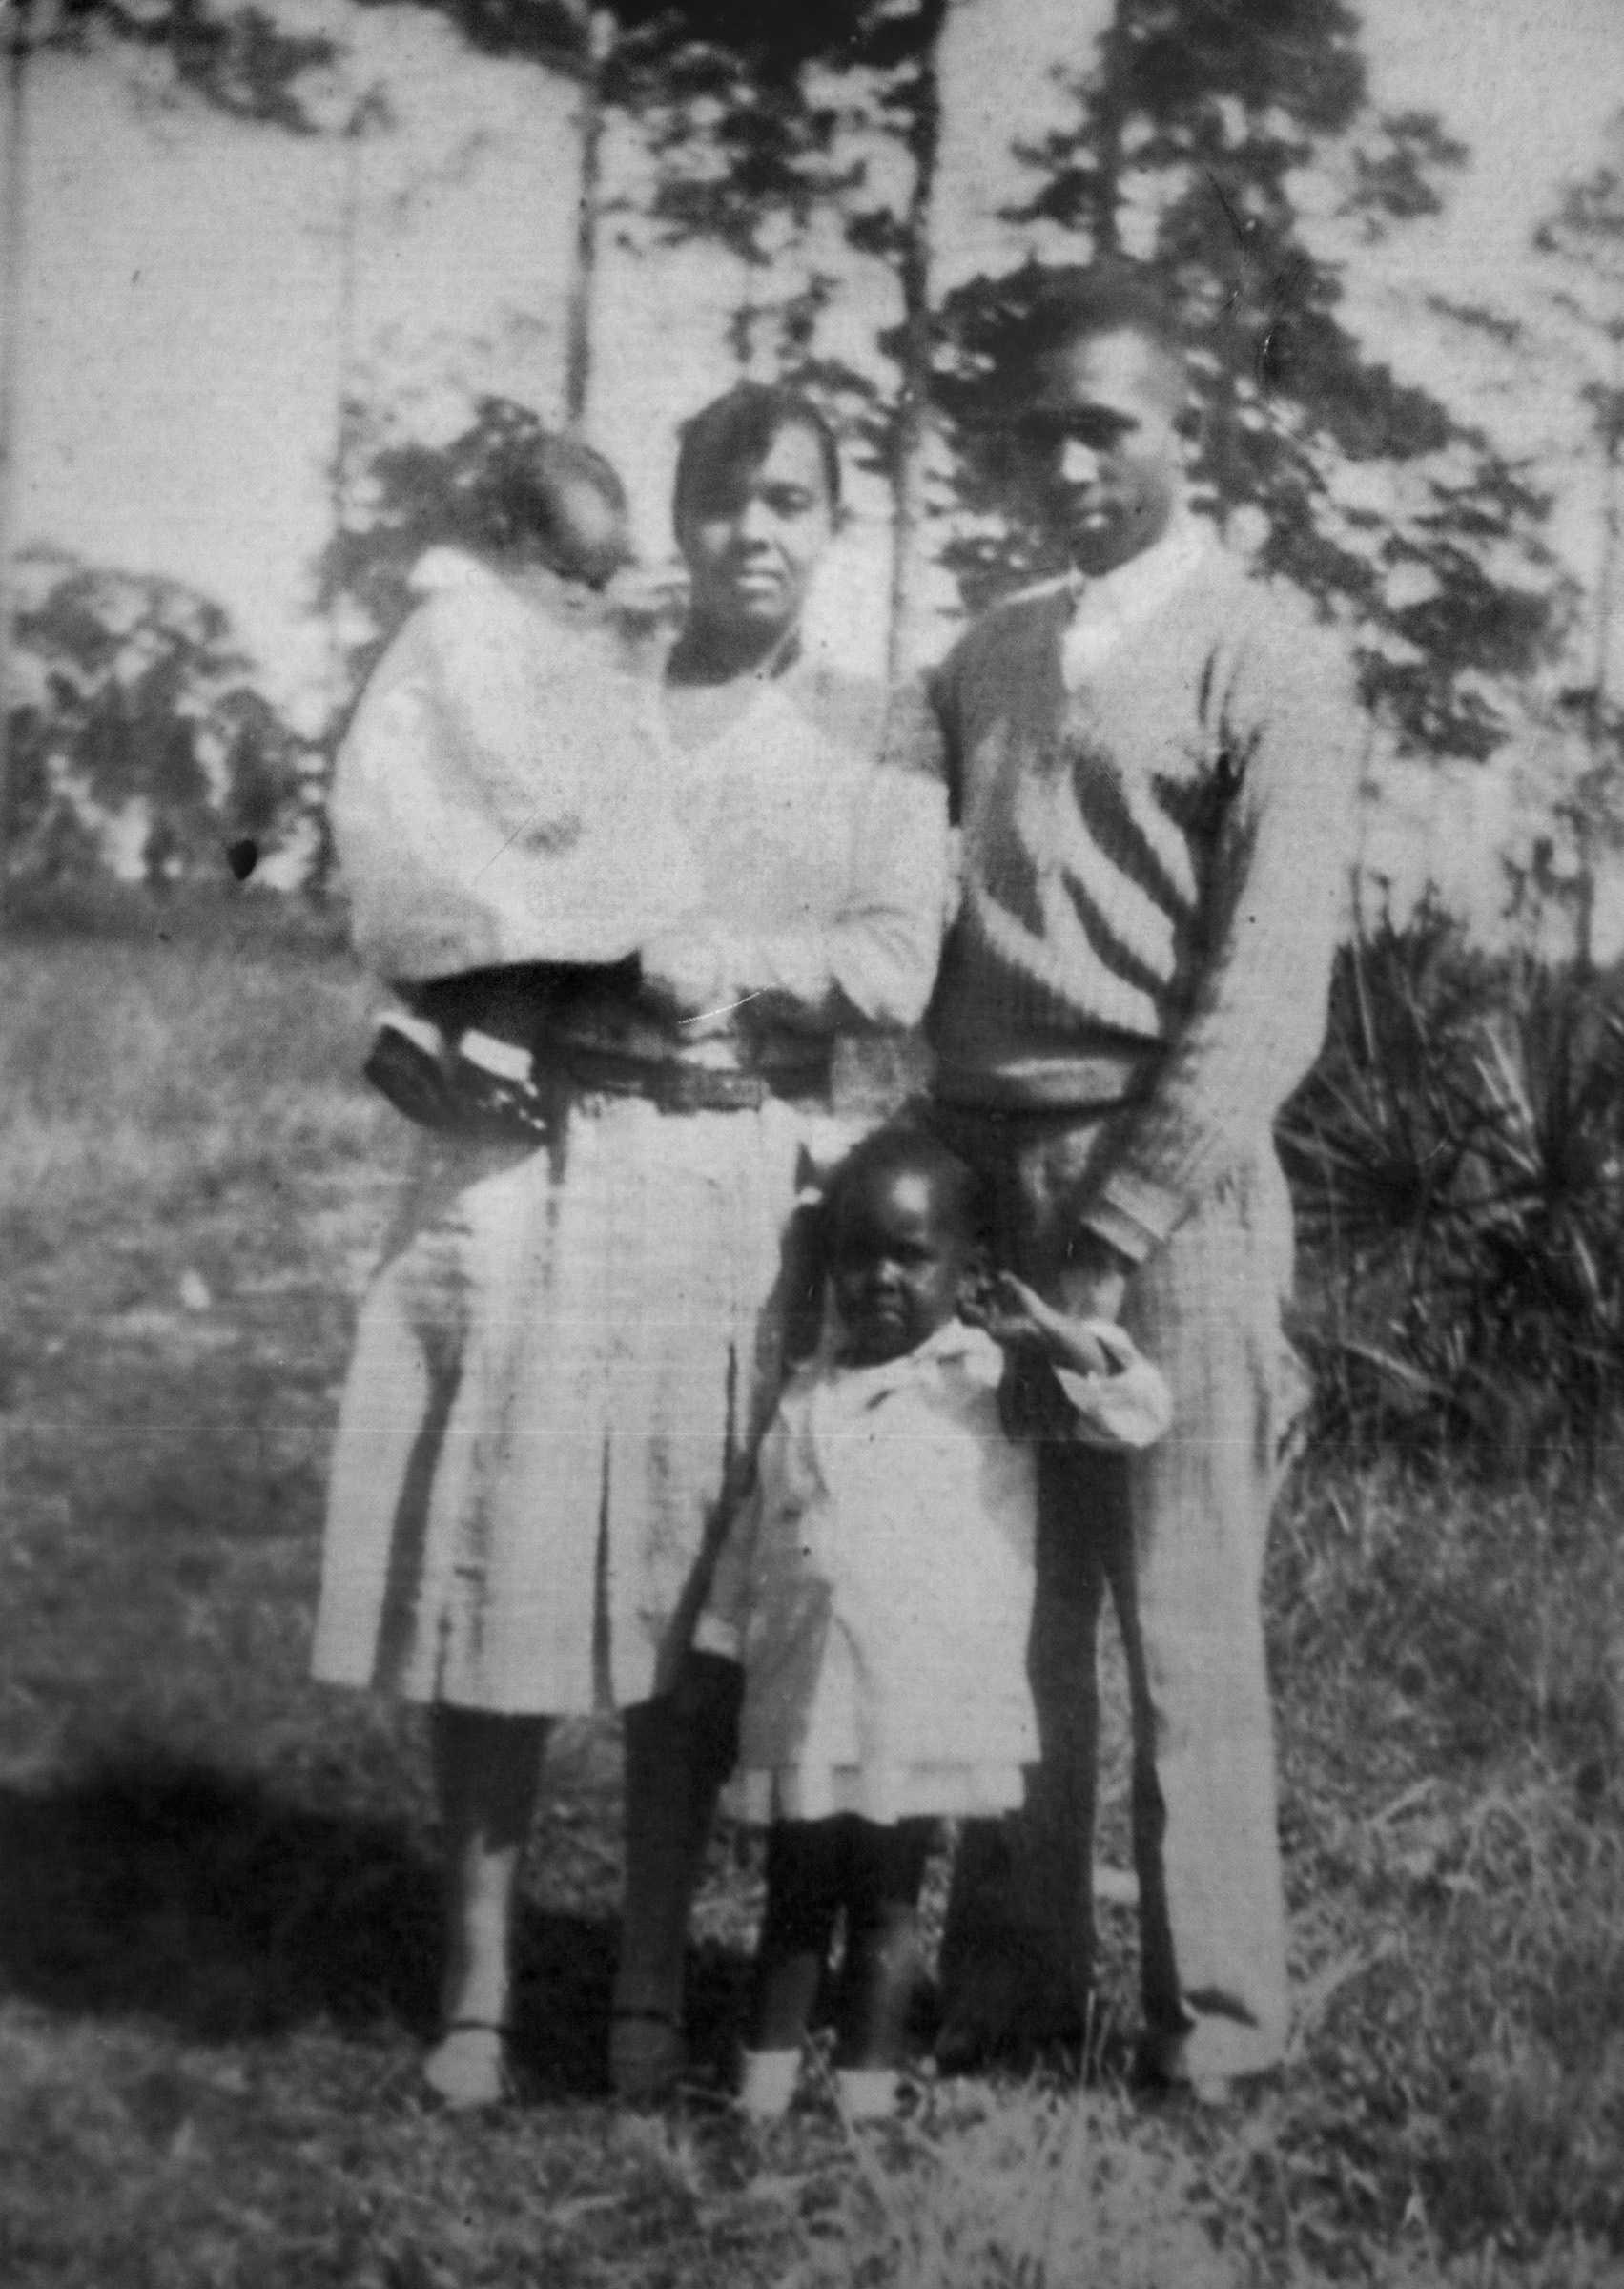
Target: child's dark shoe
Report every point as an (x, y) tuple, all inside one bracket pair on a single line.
[(493, 1085), (408, 1065), (646, 2056)]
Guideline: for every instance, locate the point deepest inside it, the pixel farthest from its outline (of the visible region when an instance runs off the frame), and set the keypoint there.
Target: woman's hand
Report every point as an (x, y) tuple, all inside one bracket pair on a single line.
[(682, 971)]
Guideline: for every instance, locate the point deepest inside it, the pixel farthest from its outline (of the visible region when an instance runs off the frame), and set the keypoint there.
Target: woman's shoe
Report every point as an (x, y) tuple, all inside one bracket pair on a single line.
[(468, 2067), (646, 2055)]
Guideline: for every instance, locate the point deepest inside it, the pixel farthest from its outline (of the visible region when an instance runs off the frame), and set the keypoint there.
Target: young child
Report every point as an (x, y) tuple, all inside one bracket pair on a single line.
[(498, 825), (877, 1588)]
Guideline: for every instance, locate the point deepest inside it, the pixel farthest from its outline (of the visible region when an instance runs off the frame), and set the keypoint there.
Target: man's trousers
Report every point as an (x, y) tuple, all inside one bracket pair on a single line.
[(1175, 1535)]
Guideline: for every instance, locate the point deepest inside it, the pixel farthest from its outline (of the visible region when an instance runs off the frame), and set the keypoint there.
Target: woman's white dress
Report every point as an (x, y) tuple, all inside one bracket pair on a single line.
[(566, 1357)]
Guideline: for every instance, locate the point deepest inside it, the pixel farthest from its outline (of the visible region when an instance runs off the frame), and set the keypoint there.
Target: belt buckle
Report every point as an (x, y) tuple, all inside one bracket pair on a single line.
[(678, 1090), (702, 1089)]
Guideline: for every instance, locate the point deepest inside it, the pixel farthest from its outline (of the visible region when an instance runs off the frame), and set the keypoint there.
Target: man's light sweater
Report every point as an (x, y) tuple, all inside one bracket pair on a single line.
[(1154, 793)]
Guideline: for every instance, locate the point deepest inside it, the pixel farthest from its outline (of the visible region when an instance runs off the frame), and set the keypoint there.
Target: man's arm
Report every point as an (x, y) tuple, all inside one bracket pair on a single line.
[(1276, 901), (1105, 1392)]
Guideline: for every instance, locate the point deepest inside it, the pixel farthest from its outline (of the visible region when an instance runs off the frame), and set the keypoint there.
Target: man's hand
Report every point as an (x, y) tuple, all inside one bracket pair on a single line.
[(1093, 1278), (1016, 1316)]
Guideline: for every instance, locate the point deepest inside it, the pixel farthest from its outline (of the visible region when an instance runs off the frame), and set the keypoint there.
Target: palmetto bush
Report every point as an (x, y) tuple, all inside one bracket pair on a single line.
[(1458, 1162)]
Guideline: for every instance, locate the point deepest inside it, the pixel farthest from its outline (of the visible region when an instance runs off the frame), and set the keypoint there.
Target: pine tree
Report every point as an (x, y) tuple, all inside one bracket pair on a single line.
[(763, 127), (234, 57), (1584, 239), (12, 246), (1186, 137)]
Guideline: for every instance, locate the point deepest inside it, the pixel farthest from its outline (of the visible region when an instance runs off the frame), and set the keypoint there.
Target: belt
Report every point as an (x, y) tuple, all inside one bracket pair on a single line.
[(1098, 1082), (681, 1088)]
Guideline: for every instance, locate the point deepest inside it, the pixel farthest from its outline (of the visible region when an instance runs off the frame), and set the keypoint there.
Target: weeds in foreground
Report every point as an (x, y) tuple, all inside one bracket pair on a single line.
[(217, 1922)]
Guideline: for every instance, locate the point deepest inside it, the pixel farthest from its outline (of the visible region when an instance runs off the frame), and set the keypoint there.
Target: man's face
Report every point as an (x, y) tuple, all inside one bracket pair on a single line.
[(900, 1258), (755, 535), (1104, 461)]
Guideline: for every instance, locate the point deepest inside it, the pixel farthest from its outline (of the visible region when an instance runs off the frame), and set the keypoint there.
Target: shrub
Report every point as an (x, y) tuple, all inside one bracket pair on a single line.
[(1458, 1162)]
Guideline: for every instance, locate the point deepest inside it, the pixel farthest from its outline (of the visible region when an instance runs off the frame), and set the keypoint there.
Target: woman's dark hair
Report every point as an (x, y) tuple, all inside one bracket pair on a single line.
[(738, 431)]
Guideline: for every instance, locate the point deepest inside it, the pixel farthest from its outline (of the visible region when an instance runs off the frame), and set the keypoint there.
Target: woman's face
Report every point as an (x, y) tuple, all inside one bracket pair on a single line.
[(753, 535)]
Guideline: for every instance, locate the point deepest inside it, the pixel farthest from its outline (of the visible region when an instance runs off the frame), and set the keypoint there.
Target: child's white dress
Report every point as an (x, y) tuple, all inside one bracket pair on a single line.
[(879, 1583)]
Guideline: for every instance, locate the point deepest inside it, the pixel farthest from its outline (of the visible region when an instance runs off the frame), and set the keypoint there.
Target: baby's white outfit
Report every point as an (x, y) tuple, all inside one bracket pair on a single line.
[(500, 797), (878, 1584)]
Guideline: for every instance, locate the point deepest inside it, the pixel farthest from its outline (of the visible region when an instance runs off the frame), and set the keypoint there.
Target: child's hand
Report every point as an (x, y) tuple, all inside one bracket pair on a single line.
[(1016, 1316)]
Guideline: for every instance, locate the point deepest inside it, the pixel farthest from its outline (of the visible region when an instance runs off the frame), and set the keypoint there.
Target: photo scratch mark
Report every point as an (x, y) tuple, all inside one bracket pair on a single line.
[(523, 828), (700, 1015)]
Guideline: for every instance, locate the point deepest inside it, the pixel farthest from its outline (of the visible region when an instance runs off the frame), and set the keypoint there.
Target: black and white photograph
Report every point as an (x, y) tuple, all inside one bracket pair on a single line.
[(811, 1144)]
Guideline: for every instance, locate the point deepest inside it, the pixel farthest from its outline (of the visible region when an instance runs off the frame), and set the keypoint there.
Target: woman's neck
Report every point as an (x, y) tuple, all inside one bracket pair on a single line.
[(706, 653)]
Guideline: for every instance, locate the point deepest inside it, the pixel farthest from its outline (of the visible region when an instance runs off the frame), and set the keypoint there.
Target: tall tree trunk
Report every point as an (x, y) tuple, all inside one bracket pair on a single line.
[(910, 433), (318, 881), (1600, 729), (600, 31), (1110, 107), (13, 250)]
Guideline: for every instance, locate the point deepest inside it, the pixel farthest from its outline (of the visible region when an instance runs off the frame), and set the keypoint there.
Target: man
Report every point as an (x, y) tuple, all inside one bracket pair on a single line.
[(1150, 761)]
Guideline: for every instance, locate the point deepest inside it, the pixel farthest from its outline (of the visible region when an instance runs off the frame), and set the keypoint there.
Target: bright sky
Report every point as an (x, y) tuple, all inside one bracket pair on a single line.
[(181, 345)]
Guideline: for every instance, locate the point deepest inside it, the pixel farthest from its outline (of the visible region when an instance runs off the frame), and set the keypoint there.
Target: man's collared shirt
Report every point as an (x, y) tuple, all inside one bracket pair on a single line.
[(1107, 610)]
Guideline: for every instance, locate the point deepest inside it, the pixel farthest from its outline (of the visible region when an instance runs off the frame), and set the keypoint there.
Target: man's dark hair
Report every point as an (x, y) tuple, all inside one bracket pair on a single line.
[(737, 431), (905, 1149), (1078, 304), (525, 503)]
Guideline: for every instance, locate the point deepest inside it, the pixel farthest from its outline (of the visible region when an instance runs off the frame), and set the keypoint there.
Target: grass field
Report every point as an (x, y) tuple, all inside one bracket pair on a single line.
[(217, 1884)]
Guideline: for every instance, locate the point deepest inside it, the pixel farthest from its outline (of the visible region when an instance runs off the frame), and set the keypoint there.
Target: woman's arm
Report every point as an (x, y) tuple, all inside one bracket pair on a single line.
[(725, 1615), (869, 968)]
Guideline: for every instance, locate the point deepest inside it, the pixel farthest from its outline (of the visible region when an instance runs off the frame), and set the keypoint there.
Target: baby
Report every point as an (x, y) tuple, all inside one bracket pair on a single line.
[(878, 1589), (493, 808)]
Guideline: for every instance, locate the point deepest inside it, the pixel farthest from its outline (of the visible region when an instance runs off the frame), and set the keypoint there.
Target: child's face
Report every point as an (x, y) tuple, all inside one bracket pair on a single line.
[(591, 533), (899, 1256)]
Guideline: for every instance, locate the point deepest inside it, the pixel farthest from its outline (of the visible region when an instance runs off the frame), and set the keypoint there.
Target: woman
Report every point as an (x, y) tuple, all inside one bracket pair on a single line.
[(565, 1362)]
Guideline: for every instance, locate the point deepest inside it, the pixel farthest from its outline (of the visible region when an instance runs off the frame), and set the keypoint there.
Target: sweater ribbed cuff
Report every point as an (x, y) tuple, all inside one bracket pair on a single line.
[(1133, 1215), (713, 1635), (1128, 1409)]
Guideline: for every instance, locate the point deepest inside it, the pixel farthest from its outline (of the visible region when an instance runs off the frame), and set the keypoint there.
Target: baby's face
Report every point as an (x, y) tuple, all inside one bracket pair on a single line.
[(592, 534), (898, 1258)]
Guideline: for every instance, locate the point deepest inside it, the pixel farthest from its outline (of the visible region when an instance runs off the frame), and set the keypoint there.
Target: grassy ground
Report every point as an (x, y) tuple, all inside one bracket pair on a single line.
[(216, 1887)]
